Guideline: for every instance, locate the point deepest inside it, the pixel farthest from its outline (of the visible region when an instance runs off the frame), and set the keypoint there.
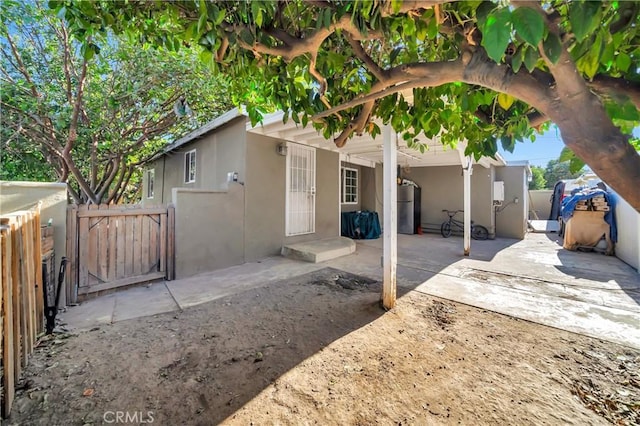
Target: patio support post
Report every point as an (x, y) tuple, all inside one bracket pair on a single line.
[(390, 230), (467, 165)]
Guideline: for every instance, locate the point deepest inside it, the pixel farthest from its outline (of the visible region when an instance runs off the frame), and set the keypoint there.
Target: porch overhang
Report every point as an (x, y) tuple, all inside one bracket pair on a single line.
[(365, 150)]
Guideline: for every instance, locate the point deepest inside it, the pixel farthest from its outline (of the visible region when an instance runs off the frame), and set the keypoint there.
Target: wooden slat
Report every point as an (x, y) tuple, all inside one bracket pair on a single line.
[(103, 241), (154, 233), (93, 247), (8, 340), (28, 283), (145, 263), (120, 283), (83, 241), (113, 239), (137, 246), (37, 266), (129, 249), (162, 242), (120, 212), (120, 246)]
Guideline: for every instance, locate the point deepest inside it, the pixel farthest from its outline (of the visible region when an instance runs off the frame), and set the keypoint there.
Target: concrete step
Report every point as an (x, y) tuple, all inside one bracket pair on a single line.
[(320, 250)]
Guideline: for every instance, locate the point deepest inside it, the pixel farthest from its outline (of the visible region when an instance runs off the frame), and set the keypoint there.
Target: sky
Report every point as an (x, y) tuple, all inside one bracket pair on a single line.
[(546, 147)]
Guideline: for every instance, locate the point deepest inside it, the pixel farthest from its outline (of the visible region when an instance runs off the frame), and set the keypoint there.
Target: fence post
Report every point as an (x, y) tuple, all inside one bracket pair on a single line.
[(8, 352)]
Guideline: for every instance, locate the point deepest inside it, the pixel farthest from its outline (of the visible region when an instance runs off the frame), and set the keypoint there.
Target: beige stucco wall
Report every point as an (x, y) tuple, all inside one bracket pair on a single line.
[(442, 188), (15, 196), (265, 198), (368, 192), (511, 218), (217, 153), (628, 224), (209, 229), (540, 202)]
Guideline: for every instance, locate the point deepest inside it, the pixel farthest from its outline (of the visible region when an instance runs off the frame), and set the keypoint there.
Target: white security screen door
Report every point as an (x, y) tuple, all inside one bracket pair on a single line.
[(301, 190)]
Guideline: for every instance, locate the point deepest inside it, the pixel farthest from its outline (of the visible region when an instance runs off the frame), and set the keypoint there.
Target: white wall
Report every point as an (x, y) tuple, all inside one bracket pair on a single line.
[(540, 203), (628, 221)]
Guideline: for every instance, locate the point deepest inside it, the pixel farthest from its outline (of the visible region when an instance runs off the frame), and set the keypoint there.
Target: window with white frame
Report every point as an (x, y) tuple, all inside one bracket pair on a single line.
[(190, 166), (349, 186), (151, 175)]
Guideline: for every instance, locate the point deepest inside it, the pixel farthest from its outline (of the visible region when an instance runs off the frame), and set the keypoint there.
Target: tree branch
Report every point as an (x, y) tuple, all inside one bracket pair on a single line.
[(617, 86), (356, 125), (112, 175), (73, 126), (361, 54), (21, 67)]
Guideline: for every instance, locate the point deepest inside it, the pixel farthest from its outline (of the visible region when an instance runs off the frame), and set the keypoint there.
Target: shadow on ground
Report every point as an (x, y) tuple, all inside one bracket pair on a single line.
[(238, 346)]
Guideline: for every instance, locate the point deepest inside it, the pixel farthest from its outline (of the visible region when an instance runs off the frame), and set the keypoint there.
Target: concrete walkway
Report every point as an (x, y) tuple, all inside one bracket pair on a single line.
[(533, 279)]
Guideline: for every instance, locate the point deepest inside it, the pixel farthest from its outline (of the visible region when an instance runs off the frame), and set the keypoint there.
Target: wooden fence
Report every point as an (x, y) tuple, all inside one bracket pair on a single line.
[(111, 246), (22, 318)]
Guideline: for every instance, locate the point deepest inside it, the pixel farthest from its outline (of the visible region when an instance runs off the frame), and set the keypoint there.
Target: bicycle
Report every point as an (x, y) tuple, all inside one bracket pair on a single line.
[(478, 232)]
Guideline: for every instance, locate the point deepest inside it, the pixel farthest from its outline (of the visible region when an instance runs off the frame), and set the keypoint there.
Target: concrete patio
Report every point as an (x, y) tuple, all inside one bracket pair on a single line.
[(534, 279)]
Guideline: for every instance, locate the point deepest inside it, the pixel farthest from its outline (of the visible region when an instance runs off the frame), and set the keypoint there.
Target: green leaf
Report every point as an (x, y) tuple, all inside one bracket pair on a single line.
[(553, 48), (516, 60), (622, 111), (623, 61), (606, 58), (566, 155), (327, 18), (409, 27), (575, 165), (396, 5), (421, 30), (202, 22), (496, 33), (530, 58), (590, 62), (505, 101), (483, 11), (508, 143), (583, 16), (528, 24)]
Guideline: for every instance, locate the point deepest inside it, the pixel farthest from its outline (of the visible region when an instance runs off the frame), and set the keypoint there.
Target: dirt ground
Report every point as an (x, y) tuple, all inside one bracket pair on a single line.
[(317, 349)]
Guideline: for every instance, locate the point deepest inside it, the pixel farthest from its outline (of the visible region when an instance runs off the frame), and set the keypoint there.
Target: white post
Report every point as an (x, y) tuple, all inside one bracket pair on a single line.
[(466, 171), (390, 231)]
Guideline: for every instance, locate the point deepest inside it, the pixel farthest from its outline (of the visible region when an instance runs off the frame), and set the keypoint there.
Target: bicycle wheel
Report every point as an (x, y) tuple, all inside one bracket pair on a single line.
[(445, 229), (479, 232)]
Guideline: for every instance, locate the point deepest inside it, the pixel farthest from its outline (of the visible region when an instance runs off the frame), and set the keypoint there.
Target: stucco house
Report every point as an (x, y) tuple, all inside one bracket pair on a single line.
[(242, 192)]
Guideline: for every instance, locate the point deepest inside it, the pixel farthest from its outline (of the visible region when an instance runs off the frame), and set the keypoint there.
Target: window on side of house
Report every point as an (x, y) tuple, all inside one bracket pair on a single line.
[(349, 186), (190, 166), (151, 176)]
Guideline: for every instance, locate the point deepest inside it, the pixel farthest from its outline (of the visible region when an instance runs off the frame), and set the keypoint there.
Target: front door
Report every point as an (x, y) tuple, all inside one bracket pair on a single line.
[(301, 190)]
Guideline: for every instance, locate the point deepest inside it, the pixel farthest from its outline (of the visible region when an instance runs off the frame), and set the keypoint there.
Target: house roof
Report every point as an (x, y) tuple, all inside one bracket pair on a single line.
[(203, 130)]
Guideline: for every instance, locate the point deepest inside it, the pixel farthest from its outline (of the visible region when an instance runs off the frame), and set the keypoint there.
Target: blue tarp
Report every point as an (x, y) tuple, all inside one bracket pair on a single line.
[(360, 225), (569, 206)]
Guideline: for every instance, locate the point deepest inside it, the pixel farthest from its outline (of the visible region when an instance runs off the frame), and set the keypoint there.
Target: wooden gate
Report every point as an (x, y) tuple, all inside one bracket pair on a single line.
[(120, 245)]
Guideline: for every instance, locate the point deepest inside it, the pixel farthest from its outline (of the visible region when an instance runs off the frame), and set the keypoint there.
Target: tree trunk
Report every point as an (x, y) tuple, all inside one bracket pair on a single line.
[(589, 132)]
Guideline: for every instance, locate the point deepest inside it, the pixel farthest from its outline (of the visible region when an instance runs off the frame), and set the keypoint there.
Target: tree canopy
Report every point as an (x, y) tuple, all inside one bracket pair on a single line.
[(487, 72), (92, 120), (557, 170), (537, 178)]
